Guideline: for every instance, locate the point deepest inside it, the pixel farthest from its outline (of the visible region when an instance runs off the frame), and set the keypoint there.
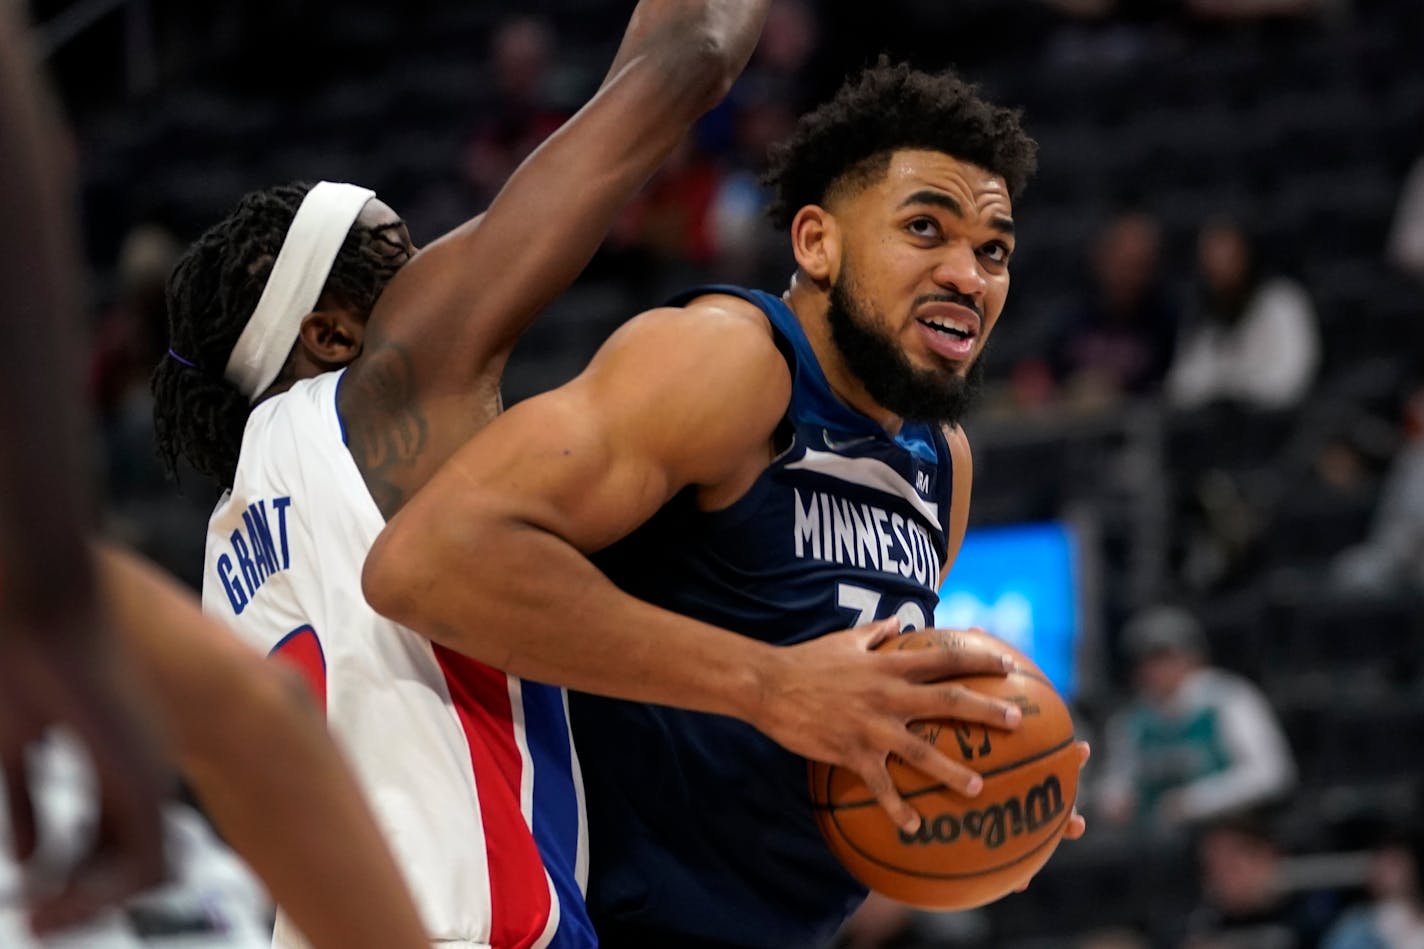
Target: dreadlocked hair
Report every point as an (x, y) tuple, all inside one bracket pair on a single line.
[(211, 294), (850, 138)]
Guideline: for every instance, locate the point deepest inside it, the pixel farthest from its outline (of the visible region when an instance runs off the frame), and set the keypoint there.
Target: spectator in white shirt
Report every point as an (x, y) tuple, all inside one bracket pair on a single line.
[(1255, 341)]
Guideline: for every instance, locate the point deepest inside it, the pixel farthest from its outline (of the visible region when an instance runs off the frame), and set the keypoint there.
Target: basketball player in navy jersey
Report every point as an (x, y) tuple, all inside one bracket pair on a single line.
[(86, 631), (731, 481)]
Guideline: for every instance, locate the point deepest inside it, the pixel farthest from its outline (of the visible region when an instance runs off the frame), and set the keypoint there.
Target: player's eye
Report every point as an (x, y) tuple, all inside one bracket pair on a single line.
[(996, 251), (923, 227)]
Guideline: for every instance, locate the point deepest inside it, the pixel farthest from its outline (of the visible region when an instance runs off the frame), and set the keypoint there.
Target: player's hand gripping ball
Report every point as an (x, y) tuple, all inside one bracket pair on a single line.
[(968, 851)]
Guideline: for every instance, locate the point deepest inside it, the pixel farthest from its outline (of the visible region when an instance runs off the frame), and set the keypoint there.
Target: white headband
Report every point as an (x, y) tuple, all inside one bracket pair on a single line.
[(300, 271)]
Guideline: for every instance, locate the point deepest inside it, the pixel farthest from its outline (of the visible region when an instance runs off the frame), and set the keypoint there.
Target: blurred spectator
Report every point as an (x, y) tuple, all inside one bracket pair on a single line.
[(141, 508), (749, 250), (1117, 340), (1392, 557), (1197, 743), (1406, 235), (1246, 903), (788, 41), (129, 337), (1255, 340), (671, 219), (1394, 916), (524, 112), (667, 236)]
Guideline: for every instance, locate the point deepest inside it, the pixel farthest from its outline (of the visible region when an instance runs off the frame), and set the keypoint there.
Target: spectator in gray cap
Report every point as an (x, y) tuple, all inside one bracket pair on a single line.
[(1197, 742)]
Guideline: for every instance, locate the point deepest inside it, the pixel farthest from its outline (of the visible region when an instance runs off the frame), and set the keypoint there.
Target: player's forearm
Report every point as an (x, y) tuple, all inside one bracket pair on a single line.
[(42, 501), (523, 600), (699, 46)]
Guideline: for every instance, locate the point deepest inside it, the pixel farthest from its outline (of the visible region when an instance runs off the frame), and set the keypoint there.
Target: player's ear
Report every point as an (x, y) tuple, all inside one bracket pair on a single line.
[(332, 335), (816, 242)]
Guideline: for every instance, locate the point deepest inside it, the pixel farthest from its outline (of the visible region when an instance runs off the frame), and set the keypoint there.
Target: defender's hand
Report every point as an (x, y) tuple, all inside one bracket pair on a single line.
[(835, 699)]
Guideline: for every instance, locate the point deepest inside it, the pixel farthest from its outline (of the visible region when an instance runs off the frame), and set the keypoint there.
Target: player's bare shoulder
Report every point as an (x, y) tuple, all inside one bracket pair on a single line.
[(959, 452), (716, 344), (962, 461), (703, 384)]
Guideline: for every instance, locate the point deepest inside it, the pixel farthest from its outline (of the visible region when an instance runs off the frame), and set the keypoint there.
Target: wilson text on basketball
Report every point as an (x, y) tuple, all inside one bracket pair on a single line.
[(994, 824)]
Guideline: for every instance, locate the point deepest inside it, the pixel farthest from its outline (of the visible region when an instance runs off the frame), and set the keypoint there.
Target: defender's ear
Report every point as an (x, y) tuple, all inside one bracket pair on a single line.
[(331, 336)]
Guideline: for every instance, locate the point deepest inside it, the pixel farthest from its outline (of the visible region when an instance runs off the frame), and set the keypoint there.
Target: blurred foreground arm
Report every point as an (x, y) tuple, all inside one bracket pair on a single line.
[(56, 665)]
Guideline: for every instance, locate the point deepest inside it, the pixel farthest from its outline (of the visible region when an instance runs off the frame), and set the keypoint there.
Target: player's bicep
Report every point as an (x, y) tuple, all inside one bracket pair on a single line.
[(671, 400), (563, 463)]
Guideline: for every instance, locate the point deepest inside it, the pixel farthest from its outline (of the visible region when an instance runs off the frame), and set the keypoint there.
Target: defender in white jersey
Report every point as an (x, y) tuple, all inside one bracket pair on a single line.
[(323, 370), (454, 754)]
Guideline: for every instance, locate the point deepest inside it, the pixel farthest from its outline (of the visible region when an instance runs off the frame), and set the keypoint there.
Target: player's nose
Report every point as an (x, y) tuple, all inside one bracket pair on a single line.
[(958, 269)]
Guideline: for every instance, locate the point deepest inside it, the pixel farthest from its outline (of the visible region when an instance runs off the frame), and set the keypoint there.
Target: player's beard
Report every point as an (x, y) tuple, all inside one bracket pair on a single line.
[(921, 395)]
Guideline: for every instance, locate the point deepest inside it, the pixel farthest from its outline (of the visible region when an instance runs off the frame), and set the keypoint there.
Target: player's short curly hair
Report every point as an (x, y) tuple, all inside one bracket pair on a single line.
[(885, 108)]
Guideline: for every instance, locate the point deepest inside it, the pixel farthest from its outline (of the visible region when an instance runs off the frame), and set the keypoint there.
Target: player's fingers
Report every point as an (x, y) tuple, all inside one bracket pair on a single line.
[(874, 635), (1084, 752), (1076, 826), (878, 781), (946, 653), (960, 702), (929, 760)]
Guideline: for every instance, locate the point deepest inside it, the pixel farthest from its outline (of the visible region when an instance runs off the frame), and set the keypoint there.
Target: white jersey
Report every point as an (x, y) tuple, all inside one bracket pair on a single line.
[(458, 760)]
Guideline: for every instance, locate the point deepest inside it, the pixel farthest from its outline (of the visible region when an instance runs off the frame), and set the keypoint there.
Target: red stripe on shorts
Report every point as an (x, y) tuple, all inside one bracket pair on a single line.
[(519, 891)]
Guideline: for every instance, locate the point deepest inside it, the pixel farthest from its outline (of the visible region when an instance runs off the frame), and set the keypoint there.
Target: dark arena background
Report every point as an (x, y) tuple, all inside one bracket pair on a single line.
[(1250, 170)]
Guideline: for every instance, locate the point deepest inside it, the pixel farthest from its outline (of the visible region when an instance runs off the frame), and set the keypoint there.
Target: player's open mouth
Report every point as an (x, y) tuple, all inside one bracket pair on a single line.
[(947, 337)]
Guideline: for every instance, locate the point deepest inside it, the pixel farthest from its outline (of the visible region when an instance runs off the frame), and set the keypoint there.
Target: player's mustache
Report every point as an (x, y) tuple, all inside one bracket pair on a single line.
[(949, 296)]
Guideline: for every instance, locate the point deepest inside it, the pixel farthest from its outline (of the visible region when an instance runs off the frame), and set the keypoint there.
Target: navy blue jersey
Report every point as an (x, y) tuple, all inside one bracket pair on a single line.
[(699, 824)]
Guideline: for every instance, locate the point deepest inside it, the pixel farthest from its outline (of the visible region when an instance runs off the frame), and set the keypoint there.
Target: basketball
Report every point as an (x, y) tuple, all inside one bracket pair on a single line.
[(968, 851)]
